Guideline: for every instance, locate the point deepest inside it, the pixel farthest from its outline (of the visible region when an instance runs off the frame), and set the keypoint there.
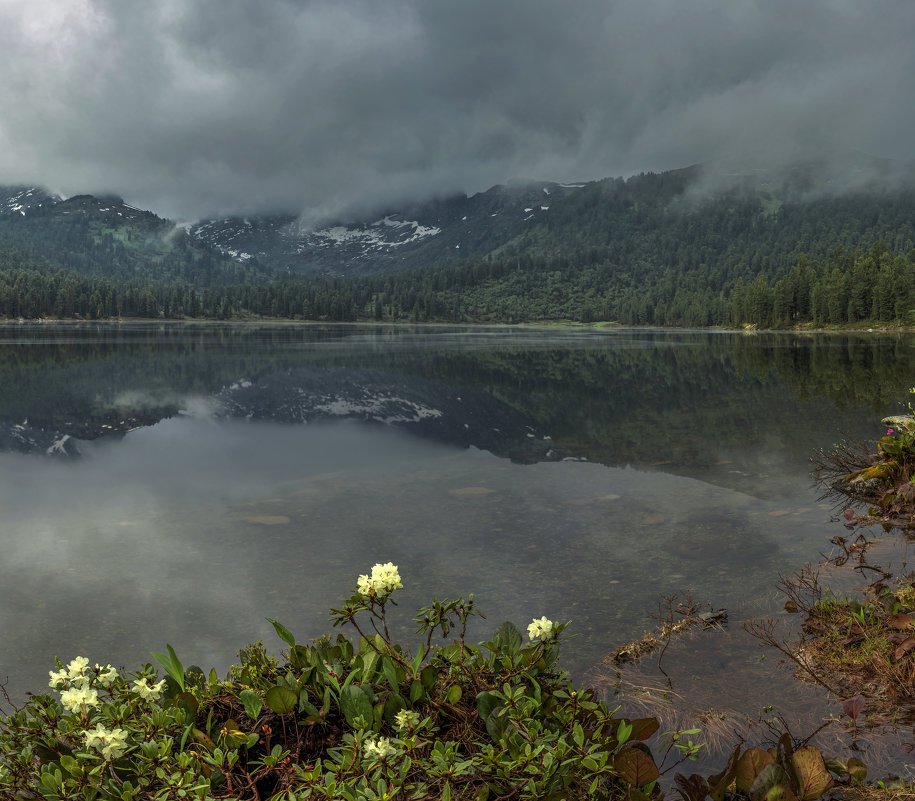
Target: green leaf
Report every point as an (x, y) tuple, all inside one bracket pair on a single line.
[(369, 664), (578, 735), (508, 639), (417, 661), (836, 766), (416, 691), (428, 677), (171, 664), (281, 699), (70, 765), (454, 694), (390, 672), (356, 706), (772, 785), (486, 702), (282, 632), (780, 793), (234, 737), (393, 704), (188, 701), (810, 771), (856, 769), (751, 763), (496, 724), (719, 782), (252, 703), (302, 656), (306, 706)]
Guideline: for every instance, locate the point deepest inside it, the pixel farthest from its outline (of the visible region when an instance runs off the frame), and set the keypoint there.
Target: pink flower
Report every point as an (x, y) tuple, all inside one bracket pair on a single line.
[(889, 431)]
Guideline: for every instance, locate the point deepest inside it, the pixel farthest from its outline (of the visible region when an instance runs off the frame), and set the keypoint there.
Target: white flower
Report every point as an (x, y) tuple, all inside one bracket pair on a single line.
[(110, 744), (57, 677), (77, 666), (540, 629), (72, 676), (147, 691), (384, 580), (76, 698), (379, 749), (96, 739), (117, 744), (106, 675), (406, 719)]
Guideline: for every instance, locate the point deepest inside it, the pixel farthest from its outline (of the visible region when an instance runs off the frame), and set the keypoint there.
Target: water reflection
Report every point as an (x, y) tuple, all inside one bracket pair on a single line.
[(195, 529), (201, 503)]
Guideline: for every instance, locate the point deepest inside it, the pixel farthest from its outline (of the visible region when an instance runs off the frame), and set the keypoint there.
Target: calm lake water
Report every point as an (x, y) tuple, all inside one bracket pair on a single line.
[(179, 484)]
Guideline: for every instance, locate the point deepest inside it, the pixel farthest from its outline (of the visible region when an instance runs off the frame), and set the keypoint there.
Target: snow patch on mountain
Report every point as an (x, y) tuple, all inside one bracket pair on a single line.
[(372, 236), (413, 235), (19, 199)]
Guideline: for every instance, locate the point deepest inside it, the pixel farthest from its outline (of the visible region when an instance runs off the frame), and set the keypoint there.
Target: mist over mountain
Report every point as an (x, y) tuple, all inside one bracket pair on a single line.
[(411, 235), (667, 248)]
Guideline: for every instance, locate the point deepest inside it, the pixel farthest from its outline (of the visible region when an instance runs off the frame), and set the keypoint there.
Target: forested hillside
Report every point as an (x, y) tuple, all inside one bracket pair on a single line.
[(105, 237), (670, 249)]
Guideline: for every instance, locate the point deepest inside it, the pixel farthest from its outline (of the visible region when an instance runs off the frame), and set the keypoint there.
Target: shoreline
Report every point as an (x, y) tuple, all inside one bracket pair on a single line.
[(599, 327)]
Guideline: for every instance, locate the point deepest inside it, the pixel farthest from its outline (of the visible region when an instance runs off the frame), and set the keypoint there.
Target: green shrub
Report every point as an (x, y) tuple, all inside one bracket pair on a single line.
[(342, 720)]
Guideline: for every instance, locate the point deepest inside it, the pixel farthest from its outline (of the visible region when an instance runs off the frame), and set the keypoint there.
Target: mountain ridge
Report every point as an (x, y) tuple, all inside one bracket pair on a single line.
[(696, 246), (412, 235)]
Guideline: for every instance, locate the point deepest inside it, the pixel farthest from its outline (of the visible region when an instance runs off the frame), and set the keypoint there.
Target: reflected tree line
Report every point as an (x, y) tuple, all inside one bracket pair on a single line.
[(645, 399)]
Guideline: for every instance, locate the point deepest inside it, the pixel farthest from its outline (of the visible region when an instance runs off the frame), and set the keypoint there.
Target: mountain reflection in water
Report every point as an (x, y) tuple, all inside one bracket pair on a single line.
[(211, 477)]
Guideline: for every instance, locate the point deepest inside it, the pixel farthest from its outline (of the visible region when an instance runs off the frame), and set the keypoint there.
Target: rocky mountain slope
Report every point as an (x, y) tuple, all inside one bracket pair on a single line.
[(106, 237), (436, 231), (727, 222)]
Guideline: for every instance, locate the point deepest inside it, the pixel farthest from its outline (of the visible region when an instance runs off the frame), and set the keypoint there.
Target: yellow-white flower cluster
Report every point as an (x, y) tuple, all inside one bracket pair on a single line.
[(77, 674), (406, 719), (540, 629), (111, 743), (74, 675), (147, 691), (381, 583), (106, 675), (379, 748), (78, 699), (77, 695)]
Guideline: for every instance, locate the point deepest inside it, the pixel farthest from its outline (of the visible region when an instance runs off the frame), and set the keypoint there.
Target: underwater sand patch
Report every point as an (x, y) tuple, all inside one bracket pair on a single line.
[(470, 492)]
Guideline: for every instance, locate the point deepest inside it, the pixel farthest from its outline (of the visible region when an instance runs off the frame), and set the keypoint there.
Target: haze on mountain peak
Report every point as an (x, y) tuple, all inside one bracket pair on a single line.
[(211, 107)]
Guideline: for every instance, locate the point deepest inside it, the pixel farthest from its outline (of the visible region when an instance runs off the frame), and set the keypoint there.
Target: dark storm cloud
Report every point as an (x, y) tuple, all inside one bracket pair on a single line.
[(201, 106)]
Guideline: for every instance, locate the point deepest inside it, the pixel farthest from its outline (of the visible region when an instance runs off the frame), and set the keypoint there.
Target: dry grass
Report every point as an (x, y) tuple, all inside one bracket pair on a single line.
[(885, 791), (854, 647)]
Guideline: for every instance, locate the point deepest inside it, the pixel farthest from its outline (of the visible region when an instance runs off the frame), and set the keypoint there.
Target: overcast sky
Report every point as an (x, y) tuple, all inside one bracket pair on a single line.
[(200, 107)]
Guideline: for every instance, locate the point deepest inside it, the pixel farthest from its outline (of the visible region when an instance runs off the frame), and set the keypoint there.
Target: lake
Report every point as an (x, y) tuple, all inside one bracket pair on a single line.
[(180, 483)]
